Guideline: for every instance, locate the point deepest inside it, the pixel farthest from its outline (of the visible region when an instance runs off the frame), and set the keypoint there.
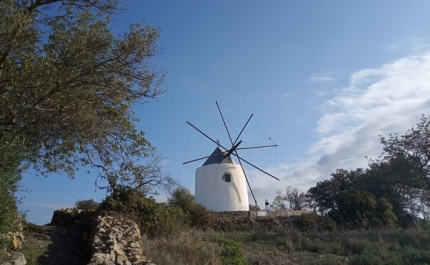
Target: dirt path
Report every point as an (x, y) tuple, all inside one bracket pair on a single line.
[(59, 245)]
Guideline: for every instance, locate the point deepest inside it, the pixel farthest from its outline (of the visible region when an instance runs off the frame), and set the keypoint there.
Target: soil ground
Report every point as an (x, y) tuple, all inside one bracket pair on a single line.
[(65, 245)]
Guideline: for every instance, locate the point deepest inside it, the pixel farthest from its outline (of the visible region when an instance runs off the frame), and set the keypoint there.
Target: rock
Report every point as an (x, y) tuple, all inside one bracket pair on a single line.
[(120, 259), (115, 240), (134, 244), (137, 259), (119, 252), (17, 259), (132, 238)]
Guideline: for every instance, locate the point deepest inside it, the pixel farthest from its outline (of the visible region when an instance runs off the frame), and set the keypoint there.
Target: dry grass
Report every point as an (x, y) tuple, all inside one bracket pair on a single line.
[(192, 247)]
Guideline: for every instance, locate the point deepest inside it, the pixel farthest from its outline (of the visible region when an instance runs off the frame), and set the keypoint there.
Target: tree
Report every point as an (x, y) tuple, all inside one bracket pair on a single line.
[(414, 148), (296, 198), (360, 209), (196, 214), (182, 198), (68, 84), (324, 195), (278, 202)]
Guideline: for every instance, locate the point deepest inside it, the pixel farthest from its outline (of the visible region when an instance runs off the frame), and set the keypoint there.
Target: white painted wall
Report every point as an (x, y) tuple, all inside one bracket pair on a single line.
[(216, 194)]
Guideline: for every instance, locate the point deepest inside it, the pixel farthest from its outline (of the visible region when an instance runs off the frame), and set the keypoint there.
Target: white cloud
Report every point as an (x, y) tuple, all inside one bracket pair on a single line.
[(286, 95), (322, 77), (389, 99)]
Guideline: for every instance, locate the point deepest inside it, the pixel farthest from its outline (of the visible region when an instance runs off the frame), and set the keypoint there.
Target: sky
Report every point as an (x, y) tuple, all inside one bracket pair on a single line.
[(322, 78)]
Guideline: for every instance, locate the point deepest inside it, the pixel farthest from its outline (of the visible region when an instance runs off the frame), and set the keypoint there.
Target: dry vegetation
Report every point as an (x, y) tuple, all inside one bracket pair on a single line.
[(283, 247)]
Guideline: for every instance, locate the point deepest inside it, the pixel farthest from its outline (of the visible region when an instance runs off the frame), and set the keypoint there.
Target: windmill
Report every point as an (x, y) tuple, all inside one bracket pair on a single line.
[(220, 183)]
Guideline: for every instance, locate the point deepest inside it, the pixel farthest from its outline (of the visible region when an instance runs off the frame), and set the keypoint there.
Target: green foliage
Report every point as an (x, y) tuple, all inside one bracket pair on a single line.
[(154, 219), (372, 246), (68, 84), (254, 207), (231, 252), (394, 190), (359, 209), (183, 199), (278, 203), (306, 222), (87, 205), (9, 184), (197, 216)]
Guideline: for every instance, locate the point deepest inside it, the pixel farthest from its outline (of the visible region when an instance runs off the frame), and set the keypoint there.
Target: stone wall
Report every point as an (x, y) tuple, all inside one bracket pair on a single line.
[(72, 216), (280, 213), (255, 214), (115, 240)]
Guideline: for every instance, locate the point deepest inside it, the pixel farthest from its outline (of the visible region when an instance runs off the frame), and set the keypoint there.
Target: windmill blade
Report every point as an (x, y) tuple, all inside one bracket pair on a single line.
[(255, 167), (206, 135), (243, 128), (197, 159), (246, 177), (225, 125), (255, 147)]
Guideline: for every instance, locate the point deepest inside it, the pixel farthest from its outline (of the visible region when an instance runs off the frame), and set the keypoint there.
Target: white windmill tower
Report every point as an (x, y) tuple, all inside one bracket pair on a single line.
[(220, 182)]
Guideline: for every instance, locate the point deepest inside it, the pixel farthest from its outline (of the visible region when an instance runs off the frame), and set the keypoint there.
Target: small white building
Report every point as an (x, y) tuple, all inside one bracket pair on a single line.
[(221, 184)]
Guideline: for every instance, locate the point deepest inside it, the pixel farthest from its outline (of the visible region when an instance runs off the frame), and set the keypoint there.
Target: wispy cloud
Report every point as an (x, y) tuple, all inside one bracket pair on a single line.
[(380, 101), (416, 45), (51, 206), (323, 77), (286, 95)]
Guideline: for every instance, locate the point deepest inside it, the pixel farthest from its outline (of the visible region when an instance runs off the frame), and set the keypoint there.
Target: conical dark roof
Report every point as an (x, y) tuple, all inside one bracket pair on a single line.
[(217, 157)]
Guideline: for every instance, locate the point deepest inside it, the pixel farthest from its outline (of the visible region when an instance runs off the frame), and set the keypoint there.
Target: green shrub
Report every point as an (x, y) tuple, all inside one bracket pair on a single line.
[(196, 215), (87, 205), (154, 219), (231, 253), (366, 259), (306, 222), (10, 177)]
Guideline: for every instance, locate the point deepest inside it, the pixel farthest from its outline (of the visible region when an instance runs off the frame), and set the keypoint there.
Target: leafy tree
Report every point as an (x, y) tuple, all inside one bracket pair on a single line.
[(359, 209), (68, 83), (183, 199), (324, 195), (413, 149), (381, 179), (197, 215)]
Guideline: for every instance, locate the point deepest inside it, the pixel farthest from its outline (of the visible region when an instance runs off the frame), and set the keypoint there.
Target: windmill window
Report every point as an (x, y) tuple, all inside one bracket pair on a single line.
[(226, 177)]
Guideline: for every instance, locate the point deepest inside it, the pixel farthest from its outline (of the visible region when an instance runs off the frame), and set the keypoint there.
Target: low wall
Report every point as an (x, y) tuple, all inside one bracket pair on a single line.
[(255, 214), (115, 240)]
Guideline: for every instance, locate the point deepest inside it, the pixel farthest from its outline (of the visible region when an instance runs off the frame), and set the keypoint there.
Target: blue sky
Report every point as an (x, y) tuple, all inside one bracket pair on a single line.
[(322, 78)]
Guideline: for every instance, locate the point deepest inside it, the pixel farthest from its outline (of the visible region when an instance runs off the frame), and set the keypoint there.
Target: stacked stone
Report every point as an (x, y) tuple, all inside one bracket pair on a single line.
[(115, 241), (72, 216)]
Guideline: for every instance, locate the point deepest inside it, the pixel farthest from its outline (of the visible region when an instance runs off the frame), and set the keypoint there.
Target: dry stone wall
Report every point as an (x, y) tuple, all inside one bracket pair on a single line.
[(115, 240)]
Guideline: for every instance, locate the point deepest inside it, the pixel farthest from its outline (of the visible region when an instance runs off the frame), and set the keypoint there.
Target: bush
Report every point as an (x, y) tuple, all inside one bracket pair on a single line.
[(196, 215), (231, 253), (87, 205), (306, 222), (154, 219), (10, 177)]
